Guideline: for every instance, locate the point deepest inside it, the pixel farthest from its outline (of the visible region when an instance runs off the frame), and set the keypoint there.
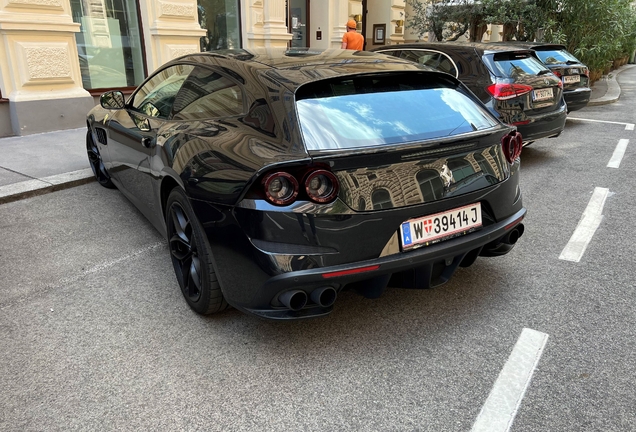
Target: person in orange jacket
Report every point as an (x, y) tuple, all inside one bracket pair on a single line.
[(351, 39)]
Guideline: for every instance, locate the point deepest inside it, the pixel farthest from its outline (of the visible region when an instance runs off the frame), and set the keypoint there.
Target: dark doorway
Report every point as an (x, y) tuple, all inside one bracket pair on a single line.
[(298, 22)]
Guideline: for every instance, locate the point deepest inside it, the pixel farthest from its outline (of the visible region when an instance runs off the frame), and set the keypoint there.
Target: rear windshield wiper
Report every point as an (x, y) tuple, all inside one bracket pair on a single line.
[(544, 71), (571, 62)]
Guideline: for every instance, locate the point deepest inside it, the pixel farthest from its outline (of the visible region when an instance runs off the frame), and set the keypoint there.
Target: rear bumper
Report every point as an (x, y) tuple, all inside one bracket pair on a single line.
[(577, 99), (432, 266), (544, 125), (261, 251)]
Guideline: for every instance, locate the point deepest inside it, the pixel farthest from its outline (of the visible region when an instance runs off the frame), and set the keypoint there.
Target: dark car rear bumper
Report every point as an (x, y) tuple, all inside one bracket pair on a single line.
[(577, 99), (429, 266), (544, 125)]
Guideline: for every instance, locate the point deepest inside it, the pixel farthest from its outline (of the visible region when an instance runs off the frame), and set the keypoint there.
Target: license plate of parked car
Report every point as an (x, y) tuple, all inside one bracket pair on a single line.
[(542, 94), (569, 79), (440, 226)]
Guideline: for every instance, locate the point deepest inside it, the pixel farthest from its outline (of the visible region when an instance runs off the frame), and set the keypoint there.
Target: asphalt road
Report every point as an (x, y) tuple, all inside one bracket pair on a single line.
[(95, 335)]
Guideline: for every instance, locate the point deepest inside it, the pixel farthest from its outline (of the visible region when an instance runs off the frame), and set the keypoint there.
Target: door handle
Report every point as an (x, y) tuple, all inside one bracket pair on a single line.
[(146, 142)]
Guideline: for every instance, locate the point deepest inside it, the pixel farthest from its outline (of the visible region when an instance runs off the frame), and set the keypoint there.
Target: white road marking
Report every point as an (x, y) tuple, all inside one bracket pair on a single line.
[(95, 269), (628, 126), (504, 399), (589, 223), (617, 157)]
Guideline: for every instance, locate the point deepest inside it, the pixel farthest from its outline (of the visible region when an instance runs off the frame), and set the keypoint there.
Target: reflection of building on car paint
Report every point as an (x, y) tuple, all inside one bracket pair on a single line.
[(276, 195)]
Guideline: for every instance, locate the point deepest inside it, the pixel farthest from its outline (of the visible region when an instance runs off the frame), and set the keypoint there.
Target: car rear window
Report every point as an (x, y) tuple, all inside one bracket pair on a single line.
[(557, 56), (513, 65), (373, 110)]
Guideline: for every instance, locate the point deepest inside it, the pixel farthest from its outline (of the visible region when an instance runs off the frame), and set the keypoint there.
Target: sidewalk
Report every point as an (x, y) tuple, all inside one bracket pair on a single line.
[(42, 163)]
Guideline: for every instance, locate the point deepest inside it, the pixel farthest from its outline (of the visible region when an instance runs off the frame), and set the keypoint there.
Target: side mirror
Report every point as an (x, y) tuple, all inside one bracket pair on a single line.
[(112, 100)]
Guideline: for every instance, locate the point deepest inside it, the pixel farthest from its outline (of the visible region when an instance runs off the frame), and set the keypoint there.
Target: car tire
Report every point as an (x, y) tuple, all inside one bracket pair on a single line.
[(191, 256), (96, 163)]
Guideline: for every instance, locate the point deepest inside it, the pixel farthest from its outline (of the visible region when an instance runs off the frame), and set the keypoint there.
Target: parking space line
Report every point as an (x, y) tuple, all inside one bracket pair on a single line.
[(504, 399), (589, 223), (617, 157), (628, 126)]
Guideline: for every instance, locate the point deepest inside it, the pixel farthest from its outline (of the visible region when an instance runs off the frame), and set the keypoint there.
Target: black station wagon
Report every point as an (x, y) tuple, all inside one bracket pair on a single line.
[(280, 178), (508, 79)]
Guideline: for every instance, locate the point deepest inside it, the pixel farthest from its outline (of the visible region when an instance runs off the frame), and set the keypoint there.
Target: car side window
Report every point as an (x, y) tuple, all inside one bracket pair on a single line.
[(435, 60), (208, 94), (156, 96)]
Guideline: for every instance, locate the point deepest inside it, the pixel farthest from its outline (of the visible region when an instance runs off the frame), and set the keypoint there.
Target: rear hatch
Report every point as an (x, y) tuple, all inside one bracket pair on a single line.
[(523, 83), (572, 72), (400, 139)]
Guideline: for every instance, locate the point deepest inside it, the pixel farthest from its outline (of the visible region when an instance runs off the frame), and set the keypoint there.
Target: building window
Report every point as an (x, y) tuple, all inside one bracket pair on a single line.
[(220, 18), (109, 43), (431, 185), (381, 199)]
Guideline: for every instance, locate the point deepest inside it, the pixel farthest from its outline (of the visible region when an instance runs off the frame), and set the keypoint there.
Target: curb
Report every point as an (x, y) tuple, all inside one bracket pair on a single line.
[(613, 89), (44, 185)]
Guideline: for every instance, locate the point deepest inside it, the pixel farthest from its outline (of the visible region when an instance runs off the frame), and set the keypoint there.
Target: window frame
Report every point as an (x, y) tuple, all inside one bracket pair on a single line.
[(129, 102)]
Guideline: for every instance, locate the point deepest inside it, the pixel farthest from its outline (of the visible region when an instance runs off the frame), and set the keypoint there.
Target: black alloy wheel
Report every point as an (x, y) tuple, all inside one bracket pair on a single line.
[(191, 256), (95, 159)]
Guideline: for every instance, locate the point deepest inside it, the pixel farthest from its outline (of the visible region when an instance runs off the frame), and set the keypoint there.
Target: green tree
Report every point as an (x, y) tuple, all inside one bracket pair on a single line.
[(596, 31), (521, 18), (446, 19)]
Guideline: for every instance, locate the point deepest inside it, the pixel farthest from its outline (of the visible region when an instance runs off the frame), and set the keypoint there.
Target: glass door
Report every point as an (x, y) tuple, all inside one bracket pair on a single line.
[(298, 23)]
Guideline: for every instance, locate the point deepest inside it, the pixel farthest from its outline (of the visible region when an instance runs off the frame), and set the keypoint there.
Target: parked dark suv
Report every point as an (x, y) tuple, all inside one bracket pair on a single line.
[(508, 79), (574, 74)]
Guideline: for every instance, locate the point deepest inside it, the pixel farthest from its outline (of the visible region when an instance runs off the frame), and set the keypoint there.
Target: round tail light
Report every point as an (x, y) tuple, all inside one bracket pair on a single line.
[(321, 186), (512, 144), (281, 188)]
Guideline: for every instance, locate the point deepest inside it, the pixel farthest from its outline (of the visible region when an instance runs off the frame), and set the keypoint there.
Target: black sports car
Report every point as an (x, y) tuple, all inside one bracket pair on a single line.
[(508, 79), (280, 178)]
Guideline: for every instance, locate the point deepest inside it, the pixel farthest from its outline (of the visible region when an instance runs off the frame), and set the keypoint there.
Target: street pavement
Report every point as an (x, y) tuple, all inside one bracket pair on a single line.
[(42, 163), (95, 334)]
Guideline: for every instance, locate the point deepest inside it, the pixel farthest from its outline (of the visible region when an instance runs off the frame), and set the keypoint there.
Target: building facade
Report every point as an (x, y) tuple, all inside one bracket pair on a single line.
[(58, 56)]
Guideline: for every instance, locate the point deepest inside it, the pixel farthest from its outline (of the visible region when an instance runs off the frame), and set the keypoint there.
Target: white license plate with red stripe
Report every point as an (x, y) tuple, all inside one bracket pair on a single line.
[(440, 226), (569, 79)]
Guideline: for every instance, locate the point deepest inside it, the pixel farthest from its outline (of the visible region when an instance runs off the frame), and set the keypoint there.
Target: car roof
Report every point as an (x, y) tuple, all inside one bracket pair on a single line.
[(481, 47), (294, 67)]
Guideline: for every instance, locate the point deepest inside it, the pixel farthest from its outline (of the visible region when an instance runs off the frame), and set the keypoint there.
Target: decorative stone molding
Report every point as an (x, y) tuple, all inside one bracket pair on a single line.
[(178, 50), (35, 4), (177, 10), (41, 63), (257, 18), (274, 11), (267, 24)]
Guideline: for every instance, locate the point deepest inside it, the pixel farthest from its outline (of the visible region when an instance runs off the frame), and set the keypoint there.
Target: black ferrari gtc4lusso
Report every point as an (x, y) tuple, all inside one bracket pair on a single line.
[(280, 178)]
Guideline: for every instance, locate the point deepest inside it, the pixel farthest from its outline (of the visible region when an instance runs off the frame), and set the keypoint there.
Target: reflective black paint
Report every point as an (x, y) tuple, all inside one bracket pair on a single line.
[(260, 250)]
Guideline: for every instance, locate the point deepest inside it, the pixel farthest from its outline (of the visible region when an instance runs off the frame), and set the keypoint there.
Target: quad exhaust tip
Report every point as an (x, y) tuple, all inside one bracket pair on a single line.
[(297, 299), (325, 296), (294, 300)]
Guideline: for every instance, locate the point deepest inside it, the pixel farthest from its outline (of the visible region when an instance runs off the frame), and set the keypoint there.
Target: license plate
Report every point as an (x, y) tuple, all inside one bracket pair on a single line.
[(542, 94), (569, 79), (441, 226)]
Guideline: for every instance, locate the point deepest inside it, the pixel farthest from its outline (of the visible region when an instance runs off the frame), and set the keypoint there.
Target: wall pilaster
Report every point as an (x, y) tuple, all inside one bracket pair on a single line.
[(172, 30), (39, 66), (395, 31), (267, 25)]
